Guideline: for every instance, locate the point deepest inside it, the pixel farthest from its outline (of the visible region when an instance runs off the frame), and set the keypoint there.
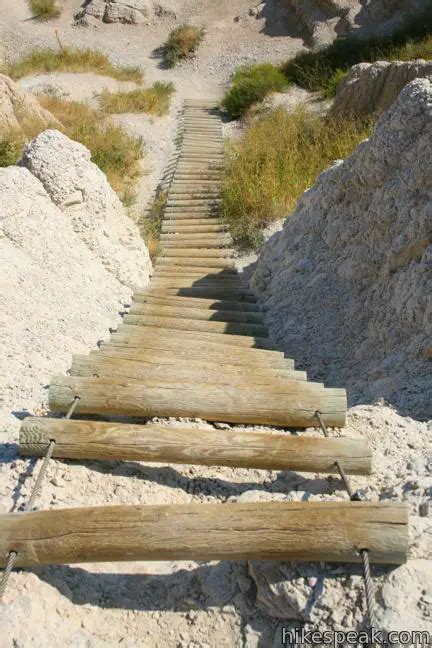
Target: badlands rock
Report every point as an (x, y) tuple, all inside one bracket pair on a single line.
[(19, 110), (80, 189), (110, 11), (346, 283), (371, 88), (56, 297), (325, 20)]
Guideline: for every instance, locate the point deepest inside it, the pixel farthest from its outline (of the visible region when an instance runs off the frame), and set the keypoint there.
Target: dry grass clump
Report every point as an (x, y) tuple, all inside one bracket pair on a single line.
[(11, 147), (151, 225), (154, 100), (44, 9), (182, 43), (115, 152), (71, 59), (276, 160)]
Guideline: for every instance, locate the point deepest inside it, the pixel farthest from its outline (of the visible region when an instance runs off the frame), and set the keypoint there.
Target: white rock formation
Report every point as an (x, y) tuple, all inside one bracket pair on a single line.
[(56, 297), (110, 11), (325, 20), (20, 110), (80, 189), (347, 281), (370, 88)]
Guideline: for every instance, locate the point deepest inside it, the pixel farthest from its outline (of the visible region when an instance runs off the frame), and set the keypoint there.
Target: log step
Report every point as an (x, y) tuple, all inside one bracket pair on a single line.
[(143, 333), (288, 531), (76, 439), (186, 302), (98, 365), (219, 293), (183, 324), (197, 313), (294, 406)]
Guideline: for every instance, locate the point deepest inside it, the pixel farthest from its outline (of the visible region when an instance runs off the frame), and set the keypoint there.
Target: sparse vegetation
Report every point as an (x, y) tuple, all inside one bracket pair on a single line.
[(151, 225), (320, 71), (277, 158), (154, 100), (112, 149), (182, 43), (70, 59), (11, 147), (250, 84), (44, 9)]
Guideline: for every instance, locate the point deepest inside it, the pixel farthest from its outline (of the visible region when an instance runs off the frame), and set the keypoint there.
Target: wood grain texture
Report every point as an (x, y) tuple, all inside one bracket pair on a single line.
[(183, 324), (133, 368), (206, 314), (239, 449), (294, 406), (309, 531), (197, 303)]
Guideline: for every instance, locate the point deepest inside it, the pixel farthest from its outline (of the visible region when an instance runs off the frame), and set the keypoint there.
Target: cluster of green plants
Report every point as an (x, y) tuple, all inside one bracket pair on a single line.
[(278, 157), (154, 100), (114, 151), (322, 70), (252, 83), (182, 43), (70, 59), (11, 147), (44, 9)]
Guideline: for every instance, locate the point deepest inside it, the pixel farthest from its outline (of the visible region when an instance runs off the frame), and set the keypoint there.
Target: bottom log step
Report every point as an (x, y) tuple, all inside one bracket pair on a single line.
[(311, 531), (77, 439)]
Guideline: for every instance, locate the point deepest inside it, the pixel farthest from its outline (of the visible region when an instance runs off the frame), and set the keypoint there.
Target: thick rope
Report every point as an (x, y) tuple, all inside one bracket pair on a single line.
[(364, 553), (30, 504)]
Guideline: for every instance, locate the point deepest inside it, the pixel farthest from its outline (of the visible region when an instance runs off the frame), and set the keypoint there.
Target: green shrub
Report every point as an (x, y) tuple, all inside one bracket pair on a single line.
[(276, 160), (319, 71), (44, 9), (250, 84), (11, 148), (154, 100), (182, 43), (69, 59), (112, 149)]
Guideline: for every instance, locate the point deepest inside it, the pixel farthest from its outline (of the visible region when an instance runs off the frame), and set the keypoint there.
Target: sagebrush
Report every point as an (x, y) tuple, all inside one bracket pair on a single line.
[(182, 43), (44, 9), (278, 157)]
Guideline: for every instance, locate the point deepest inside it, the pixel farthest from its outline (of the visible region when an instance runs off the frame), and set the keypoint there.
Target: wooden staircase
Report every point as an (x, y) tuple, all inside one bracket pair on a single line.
[(195, 344)]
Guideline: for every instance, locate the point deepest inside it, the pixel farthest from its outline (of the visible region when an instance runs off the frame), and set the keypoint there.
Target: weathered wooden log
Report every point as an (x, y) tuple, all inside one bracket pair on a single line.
[(210, 262), (141, 298), (206, 314), (224, 293), (178, 324), (134, 369), (173, 243), (210, 254), (155, 332), (294, 531), (110, 441), (293, 406), (215, 356)]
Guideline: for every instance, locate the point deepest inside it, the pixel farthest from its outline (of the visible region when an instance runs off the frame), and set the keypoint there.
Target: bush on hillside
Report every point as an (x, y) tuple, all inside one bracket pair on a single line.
[(276, 160), (154, 100), (44, 9), (182, 43), (320, 71), (250, 84)]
